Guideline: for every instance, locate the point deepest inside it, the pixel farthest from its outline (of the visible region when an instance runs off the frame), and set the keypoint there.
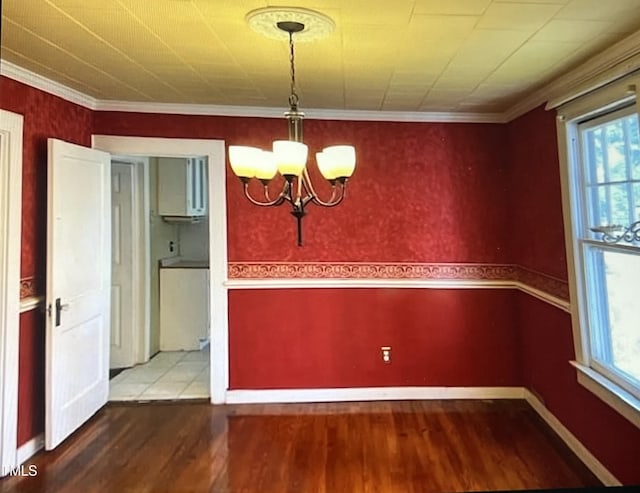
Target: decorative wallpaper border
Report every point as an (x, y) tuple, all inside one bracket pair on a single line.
[(30, 287), (374, 270), (399, 271), (543, 282)]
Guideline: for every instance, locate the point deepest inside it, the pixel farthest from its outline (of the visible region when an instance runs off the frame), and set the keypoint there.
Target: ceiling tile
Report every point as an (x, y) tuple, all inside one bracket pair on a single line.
[(517, 16), (570, 30), (449, 7), (597, 9), (439, 28)]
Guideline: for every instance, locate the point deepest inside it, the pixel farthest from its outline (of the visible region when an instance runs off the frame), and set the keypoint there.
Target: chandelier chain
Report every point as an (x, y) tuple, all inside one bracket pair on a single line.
[(293, 97)]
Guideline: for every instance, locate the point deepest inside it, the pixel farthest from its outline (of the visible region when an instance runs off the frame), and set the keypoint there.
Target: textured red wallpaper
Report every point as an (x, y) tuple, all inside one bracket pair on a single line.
[(31, 376), (422, 192), (314, 338), (546, 349), (536, 227), (44, 116)]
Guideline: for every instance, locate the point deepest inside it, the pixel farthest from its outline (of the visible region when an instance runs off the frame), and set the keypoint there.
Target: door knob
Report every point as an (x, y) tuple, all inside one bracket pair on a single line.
[(59, 307)]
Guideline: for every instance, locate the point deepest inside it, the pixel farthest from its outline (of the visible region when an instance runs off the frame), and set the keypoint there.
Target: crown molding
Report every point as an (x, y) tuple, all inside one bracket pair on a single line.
[(38, 81), (310, 113), (13, 71), (611, 64)]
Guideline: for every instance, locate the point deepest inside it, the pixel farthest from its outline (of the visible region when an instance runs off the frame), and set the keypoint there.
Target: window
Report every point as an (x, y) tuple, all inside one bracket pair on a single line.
[(600, 155), (609, 149)]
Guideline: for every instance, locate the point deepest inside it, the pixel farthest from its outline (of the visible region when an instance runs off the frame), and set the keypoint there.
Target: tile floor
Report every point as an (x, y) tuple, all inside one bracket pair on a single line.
[(168, 375)]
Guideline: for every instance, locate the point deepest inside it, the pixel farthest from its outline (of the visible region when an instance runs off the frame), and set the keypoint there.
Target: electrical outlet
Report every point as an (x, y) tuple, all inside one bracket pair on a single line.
[(386, 353)]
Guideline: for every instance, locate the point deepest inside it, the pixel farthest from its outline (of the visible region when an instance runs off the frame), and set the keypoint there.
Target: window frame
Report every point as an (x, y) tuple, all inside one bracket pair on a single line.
[(610, 99)]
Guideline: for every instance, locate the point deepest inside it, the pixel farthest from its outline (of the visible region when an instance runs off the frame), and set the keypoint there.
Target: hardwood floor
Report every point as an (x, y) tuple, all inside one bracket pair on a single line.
[(412, 446)]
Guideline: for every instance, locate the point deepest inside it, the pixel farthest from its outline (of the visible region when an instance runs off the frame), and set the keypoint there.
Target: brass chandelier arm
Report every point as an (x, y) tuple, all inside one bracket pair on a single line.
[(279, 200), (337, 192)]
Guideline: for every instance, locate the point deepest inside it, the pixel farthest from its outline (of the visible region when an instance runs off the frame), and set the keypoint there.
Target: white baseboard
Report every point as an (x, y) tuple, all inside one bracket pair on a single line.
[(596, 467), (370, 394), (29, 449)]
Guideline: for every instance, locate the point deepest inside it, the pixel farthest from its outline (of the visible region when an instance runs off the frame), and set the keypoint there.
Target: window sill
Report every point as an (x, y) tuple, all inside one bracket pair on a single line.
[(618, 398)]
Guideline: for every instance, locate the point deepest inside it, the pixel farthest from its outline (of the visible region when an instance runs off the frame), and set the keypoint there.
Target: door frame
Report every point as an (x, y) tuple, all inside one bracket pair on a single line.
[(11, 126), (214, 150), (141, 275)]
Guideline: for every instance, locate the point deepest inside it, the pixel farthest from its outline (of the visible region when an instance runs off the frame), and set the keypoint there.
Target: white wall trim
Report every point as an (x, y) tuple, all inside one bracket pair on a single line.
[(29, 449), (31, 303), (617, 61), (398, 283), (11, 125), (271, 396), (310, 113), (610, 393), (596, 467), (214, 150), (33, 79), (564, 305)]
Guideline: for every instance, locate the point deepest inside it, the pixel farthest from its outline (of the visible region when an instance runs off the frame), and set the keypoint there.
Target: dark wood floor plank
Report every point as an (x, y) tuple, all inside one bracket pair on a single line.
[(377, 447)]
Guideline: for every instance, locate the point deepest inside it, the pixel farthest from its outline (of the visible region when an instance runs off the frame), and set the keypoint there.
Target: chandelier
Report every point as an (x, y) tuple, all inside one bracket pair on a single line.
[(289, 157)]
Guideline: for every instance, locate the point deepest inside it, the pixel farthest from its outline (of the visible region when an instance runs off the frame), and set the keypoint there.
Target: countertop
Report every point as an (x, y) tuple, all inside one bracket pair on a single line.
[(180, 263)]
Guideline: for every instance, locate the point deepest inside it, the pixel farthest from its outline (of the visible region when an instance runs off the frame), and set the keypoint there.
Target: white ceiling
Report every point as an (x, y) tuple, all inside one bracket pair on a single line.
[(478, 56)]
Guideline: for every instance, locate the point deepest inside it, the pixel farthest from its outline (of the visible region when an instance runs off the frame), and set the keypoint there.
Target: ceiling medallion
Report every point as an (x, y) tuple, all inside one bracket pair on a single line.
[(265, 21)]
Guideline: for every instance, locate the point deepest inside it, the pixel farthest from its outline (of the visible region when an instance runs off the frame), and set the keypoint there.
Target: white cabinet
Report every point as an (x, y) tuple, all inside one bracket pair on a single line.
[(184, 308), (182, 187)]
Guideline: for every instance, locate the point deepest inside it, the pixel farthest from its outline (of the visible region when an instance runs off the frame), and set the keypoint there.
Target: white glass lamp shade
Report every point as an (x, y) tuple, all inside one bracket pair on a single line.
[(290, 156), (325, 166), (266, 167), (340, 161), (243, 160)]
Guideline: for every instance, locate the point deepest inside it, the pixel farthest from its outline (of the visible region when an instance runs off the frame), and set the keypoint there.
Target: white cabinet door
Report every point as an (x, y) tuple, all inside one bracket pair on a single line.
[(182, 187), (184, 313)]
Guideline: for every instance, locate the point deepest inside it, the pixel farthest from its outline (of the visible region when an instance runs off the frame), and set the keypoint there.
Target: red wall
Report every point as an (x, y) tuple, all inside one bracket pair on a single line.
[(546, 338), (44, 116), (314, 338), (31, 376), (536, 226), (422, 192), (546, 349)]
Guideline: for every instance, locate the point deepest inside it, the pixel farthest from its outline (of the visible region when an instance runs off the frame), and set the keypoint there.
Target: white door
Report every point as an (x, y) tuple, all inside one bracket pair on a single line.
[(122, 353), (78, 287)]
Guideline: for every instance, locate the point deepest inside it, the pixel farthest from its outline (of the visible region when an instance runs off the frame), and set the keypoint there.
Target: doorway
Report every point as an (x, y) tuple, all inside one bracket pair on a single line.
[(160, 253), (213, 150)]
